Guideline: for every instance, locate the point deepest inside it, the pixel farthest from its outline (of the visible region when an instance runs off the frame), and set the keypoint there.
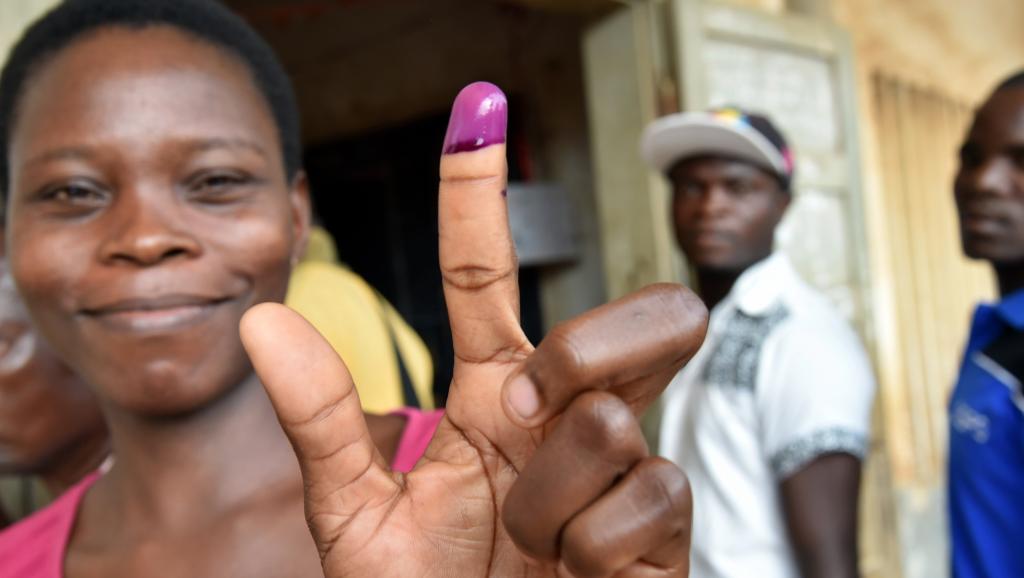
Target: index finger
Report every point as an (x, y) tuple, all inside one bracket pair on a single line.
[(478, 260)]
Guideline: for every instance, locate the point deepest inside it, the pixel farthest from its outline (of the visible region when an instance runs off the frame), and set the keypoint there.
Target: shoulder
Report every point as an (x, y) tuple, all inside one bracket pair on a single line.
[(814, 351), (319, 271), (316, 286), (775, 302), (34, 547), (813, 322)]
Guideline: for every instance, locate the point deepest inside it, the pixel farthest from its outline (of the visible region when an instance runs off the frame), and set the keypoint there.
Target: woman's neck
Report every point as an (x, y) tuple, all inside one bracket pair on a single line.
[(175, 471)]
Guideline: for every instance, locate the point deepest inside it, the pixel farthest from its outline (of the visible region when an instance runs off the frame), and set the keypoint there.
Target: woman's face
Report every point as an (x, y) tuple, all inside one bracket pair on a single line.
[(148, 210)]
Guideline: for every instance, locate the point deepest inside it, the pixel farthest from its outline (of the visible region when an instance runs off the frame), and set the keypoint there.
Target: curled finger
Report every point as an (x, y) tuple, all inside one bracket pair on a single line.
[(640, 527), (595, 443)]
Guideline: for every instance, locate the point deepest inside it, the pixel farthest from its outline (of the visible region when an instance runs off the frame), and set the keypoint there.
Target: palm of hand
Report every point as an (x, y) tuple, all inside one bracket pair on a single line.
[(570, 485), (443, 517)]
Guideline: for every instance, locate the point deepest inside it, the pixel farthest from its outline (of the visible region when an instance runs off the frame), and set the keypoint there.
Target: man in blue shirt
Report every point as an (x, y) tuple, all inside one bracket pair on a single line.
[(986, 453)]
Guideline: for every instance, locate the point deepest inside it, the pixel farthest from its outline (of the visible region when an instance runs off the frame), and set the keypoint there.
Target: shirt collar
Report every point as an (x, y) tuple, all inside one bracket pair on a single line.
[(1011, 309), (760, 287)]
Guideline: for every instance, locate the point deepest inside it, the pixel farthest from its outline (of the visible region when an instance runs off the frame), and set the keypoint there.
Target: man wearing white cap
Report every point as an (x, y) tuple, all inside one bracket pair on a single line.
[(771, 419)]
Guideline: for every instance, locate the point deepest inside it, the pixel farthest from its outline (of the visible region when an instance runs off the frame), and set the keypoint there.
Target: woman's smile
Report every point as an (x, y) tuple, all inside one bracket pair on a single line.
[(156, 313)]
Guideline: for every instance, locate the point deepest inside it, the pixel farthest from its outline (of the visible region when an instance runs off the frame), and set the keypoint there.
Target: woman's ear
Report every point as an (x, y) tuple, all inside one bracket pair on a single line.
[(299, 201)]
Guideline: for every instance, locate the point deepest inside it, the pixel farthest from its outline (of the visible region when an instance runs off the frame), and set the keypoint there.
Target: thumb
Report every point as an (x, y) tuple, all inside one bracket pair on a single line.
[(318, 407)]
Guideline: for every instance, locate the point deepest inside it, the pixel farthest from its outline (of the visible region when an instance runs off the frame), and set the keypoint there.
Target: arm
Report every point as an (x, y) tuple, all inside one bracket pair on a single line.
[(820, 506), (817, 416)]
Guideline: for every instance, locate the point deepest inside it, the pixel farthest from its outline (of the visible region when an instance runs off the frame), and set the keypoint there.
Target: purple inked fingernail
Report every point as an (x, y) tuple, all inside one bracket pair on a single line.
[(479, 119)]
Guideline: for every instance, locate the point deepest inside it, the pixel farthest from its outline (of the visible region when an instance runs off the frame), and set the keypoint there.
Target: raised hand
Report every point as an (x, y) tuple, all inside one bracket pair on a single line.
[(539, 467)]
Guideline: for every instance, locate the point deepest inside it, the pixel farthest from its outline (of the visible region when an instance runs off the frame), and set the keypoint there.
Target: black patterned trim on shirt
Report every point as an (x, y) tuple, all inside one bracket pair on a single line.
[(803, 451), (737, 355)]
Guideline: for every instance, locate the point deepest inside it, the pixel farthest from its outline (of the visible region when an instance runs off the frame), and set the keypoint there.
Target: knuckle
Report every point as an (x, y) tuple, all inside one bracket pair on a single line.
[(475, 277), (669, 490), (519, 524), (584, 553), (562, 351), (606, 424)]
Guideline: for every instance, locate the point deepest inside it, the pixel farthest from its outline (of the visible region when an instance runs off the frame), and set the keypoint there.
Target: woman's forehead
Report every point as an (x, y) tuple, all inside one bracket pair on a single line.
[(154, 80), (144, 46)]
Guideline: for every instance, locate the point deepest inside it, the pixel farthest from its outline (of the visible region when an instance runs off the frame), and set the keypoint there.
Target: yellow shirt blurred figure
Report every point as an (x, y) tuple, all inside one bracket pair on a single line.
[(363, 328)]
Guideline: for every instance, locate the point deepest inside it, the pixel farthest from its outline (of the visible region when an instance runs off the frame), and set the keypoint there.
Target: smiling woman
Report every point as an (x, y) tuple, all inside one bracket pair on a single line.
[(155, 207), (75, 163), (155, 195)]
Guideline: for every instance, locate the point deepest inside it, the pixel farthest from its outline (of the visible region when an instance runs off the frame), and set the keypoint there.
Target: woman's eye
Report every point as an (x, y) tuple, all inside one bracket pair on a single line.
[(218, 182), (77, 195), (217, 186)]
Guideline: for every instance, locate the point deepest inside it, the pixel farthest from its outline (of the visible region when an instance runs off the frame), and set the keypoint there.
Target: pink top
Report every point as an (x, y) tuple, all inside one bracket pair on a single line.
[(35, 546), (419, 430)]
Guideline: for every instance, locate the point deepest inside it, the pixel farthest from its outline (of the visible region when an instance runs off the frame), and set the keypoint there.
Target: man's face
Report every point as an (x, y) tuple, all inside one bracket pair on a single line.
[(989, 186), (725, 212)]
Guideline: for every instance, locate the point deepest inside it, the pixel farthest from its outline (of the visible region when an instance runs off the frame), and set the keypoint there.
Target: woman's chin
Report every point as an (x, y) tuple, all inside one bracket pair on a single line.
[(170, 390)]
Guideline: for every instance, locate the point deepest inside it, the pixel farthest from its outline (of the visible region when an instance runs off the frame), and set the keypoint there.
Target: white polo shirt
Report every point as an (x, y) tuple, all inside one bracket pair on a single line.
[(780, 380)]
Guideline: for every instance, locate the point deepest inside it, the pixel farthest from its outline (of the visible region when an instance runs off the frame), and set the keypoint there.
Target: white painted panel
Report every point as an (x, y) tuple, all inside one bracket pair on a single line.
[(796, 89)]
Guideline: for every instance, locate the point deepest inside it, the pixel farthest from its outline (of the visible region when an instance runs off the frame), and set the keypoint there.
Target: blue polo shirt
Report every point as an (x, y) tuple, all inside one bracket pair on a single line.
[(986, 452)]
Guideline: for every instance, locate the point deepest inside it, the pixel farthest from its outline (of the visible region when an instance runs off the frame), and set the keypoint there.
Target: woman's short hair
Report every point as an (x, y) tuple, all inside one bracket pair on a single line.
[(208, 20)]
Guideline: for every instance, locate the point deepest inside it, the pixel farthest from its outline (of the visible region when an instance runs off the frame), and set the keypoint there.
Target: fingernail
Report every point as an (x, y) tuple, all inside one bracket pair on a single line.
[(479, 119), (523, 397)]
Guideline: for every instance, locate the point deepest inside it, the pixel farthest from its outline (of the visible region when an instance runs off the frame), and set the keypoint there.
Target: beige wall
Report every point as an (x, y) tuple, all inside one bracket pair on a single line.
[(959, 47), (14, 16)]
